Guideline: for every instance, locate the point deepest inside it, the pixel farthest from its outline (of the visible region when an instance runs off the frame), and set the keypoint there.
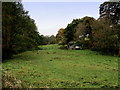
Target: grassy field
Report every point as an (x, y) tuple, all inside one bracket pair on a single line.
[(55, 68)]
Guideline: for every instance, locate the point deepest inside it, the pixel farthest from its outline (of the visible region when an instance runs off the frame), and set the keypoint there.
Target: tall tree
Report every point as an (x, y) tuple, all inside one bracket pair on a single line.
[(111, 11), (19, 32), (60, 36), (106, 29), (70, 30)]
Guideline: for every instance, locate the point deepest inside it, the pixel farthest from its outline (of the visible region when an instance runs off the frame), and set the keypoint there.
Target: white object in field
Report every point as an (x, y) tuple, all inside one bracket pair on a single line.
[(77, 47), (87, 35)]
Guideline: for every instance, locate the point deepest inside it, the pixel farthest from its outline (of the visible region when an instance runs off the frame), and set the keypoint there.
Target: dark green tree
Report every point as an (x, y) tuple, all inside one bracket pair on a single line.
[(70, 30), (19, 31), (106, 29), (84, 31), (111, 11)]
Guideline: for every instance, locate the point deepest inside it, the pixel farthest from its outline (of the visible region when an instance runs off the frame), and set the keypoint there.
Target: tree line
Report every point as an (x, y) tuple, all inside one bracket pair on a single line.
[(19, 31), (101, 35)]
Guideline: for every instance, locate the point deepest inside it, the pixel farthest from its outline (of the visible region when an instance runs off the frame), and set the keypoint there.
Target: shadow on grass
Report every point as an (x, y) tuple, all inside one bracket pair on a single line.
[(24, 56)]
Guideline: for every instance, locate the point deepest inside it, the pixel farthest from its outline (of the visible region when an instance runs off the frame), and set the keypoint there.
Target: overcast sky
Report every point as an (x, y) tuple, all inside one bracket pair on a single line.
[(51, 16)]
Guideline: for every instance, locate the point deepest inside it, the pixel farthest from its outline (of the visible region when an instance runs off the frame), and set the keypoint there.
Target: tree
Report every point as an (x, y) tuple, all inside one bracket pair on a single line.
[(52, 39), (7, 22), (84, 31), (117, 33), (60, 36), (70, 30), (107, 32), (105, 39), (111, 11), (19, 32), (45, 40)]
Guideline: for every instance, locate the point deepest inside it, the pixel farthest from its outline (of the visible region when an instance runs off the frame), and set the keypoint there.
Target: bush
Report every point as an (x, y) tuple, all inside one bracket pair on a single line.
[(64, 47)]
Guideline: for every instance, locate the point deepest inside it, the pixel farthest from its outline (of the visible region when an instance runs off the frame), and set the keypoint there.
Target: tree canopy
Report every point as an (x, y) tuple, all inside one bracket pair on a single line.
[(19, 31), (102, 34)]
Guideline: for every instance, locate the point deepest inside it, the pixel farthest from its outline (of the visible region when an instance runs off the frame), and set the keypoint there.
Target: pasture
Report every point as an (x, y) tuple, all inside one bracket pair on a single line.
[(52, 67)]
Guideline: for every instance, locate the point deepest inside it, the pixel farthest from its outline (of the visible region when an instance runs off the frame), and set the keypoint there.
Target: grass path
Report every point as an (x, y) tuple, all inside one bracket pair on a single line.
[(55, 68)]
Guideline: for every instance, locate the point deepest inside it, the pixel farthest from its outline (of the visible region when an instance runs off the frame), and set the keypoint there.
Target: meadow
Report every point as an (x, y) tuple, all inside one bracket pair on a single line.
[(52, 67)]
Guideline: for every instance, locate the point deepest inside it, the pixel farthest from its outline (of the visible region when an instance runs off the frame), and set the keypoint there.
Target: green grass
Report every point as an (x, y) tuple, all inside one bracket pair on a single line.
[(56, 68)]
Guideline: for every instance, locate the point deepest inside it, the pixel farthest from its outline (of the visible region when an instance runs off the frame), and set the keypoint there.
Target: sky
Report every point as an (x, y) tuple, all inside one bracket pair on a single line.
[(51, 16)]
